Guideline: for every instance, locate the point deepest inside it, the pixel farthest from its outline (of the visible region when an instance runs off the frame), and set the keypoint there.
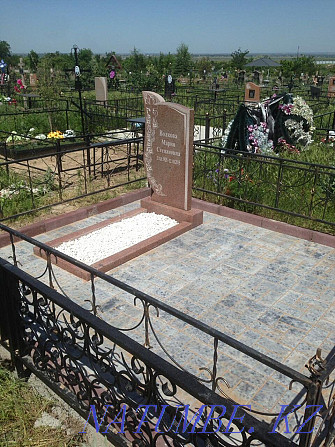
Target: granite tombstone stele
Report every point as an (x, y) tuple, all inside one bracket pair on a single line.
[(252, 92), (101, 88), (168, 150)]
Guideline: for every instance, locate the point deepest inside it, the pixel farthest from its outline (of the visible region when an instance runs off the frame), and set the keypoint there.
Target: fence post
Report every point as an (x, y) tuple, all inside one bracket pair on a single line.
[(333, 123), (313, 399), (67, 114), (224, 121), (279, 182), (207, 127), (6, 157), (59, 168), (10, 322)]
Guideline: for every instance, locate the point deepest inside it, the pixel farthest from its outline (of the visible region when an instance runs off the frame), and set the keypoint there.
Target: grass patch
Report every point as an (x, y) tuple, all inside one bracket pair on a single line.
[(245, 182), (53, 210), (20, 407)]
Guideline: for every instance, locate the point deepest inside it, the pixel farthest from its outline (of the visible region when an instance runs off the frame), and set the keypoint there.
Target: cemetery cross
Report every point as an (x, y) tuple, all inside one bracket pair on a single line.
[(78, 87)]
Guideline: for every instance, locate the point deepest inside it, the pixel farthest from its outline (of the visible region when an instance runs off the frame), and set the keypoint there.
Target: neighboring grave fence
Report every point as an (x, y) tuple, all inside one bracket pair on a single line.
[(292, 190), (62, 175), (88, 362), (325, 125), (265, 184), (58, 114), (208, 127), (114, 115)]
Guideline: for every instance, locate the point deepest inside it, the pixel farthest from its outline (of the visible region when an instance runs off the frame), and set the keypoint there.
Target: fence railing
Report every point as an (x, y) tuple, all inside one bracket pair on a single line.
[(89, 362), (62, 175), (325, 124), (252, 182), (249, 182)]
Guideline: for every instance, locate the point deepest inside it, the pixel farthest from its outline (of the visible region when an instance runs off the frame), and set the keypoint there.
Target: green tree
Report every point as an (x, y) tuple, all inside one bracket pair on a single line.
[(204, 65), (58, 61), (49, 85), (183, 61), (32, 61), (294, 67), (135, 63), (85, 57), (239, 59), (164, 63), (5, 50)]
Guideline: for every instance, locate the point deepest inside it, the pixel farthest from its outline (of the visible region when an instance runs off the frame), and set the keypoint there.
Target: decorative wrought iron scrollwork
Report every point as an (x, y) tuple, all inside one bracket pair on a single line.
[(316, 364)]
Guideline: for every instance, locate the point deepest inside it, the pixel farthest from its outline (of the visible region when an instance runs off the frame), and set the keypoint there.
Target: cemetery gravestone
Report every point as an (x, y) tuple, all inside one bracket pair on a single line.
[(315, 92), (32, 79), (3, 75), (331, 87), (168, 157), (101, 89), (252, 92), (256, 76), (168, 151)]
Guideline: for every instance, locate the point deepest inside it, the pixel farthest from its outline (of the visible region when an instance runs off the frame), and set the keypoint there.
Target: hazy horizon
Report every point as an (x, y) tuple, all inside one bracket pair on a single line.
[(290, 54)]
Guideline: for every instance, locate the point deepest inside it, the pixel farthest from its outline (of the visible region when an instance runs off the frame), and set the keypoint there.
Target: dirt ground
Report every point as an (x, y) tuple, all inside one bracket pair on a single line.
[(69, 175)]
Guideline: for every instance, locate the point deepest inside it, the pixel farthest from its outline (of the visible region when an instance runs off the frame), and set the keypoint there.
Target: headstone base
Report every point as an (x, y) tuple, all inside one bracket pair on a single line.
[(192, 216)]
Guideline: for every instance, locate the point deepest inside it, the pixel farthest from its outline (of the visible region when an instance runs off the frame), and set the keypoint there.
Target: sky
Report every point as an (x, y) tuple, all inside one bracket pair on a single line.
[(153, 26)]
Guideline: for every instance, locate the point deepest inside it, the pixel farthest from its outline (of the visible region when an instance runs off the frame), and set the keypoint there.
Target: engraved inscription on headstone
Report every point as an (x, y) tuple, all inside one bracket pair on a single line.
[(168, 150), (101, 89)]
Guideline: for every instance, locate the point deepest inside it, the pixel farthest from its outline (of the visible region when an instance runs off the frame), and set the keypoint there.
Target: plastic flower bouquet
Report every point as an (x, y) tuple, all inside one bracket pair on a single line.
[(57, 135)]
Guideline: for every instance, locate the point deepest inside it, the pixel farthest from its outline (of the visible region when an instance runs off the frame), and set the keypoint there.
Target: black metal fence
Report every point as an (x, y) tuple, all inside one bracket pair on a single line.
[(60, 114), (112, 114), (254, 182), (325, 125), (60, 175), (91, 363)]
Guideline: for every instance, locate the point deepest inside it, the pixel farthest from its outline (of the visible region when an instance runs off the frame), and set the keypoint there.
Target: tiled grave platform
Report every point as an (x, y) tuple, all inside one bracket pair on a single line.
[(272, 291)]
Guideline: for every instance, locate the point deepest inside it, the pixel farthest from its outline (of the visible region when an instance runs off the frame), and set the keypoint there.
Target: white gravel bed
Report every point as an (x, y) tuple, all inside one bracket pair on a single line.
[(116, 237)]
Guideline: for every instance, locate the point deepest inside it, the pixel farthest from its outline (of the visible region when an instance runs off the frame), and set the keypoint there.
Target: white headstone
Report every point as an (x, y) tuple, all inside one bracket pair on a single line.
[(101, 89)]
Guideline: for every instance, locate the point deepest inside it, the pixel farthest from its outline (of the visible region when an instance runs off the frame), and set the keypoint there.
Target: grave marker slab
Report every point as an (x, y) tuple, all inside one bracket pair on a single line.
[(168, 150), (33, 79), (101, 89), (252, 92)]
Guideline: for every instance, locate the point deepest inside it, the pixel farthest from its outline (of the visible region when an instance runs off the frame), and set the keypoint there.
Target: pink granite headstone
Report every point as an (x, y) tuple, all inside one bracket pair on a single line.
[(168, 150), (252, 92)]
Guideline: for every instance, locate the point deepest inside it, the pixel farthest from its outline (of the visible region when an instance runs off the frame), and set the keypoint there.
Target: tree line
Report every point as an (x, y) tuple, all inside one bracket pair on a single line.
[(146, 71)]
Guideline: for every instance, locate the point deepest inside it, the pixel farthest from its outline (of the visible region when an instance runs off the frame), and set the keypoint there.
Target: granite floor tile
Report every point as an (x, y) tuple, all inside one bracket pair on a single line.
[(272, 292)]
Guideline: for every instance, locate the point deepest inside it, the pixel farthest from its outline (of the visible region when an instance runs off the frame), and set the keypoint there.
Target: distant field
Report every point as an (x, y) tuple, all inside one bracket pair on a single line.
[(319, 57)]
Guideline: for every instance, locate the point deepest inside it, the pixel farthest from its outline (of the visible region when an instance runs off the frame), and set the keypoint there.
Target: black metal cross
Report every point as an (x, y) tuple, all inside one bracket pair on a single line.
[(76, 70), (78, 85)]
